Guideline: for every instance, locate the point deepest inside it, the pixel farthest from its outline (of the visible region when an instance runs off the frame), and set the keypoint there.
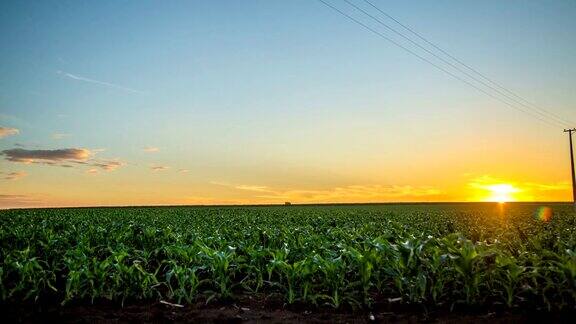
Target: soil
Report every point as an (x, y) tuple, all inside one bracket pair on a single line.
[(251, 310)]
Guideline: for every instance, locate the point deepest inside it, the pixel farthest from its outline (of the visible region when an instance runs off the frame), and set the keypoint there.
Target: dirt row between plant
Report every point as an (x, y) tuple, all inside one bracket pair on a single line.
[(257, 312)]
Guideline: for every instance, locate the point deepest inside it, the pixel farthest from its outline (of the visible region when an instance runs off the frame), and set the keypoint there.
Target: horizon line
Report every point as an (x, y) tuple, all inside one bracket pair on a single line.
[(295, 204)]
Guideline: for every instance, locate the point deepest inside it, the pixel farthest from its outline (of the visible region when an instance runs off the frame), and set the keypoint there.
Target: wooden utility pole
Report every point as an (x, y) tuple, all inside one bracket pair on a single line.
[(570, 131)]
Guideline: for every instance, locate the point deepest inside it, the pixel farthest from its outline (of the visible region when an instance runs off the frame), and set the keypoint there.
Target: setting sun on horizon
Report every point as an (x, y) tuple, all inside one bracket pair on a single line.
[(502, 193)]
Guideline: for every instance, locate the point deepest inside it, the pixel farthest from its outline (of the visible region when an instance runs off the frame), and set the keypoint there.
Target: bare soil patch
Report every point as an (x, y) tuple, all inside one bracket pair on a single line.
[(253, 310)]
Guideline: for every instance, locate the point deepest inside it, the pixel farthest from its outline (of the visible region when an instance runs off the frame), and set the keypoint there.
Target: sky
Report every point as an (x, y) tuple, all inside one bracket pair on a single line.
[(267, 101)]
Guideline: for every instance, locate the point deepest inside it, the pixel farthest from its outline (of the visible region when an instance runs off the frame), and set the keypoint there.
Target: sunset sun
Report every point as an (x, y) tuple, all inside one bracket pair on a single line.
[(501, 193)]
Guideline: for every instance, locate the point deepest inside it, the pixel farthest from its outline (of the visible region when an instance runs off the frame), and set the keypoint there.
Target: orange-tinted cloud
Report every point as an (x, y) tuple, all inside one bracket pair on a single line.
[(359, 193), (244, 187), (107, 165), (15, 175), (151, 149), (159, 168), (484, 187), (10, 201), (353, 193), (8, 131)]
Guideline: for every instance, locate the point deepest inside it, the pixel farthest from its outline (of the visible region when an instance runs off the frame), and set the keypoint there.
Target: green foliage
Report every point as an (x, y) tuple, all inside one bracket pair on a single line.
[(470, 254)]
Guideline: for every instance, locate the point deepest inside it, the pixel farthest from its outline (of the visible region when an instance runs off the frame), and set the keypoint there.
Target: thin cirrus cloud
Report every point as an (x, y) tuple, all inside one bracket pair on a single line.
[(97, 82), (17, 175), (105, 165), (352, 193), (244, 187), (108, 165), (8, 131), (151, 149), (9, 201), (358, 193), (157, 168), (528, 190), (66, 157), (484, 181)]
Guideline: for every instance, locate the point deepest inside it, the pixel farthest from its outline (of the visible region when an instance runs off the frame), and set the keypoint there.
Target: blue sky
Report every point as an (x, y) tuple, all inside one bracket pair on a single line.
[(280, 94)]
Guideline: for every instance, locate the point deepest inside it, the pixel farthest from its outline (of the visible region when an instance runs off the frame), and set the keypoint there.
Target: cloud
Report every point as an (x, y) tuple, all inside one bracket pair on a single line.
[(244, 187), (183, 170), (29, 156), (360, 193), (486, 186), (482, 182), (253, 188), (58, 136), (8, 197), (151, 149), (201, 200), (352, 193), (8, 131), (101, 83), (10, 201), (156, 168), (558, 186), (67, 158), (15, 175), (107, 165)]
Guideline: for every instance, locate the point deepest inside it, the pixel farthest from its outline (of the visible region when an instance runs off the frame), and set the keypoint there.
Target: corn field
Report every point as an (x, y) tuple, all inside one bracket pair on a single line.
[(330, 256)]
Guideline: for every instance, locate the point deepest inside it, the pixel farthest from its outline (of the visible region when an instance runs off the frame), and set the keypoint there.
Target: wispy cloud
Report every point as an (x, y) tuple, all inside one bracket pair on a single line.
[(8, 131), (485, 185), (359, 193), (157, 168), (10, 201), (107, 165), (201, 200), (101, 83), (14, 175), (183, 170), (151, 149), (353, 193), (481, 182), (558, 186), (253, 188)]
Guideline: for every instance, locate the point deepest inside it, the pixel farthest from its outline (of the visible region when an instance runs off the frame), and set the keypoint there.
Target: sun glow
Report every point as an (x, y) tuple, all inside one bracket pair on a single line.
[(501, 192)]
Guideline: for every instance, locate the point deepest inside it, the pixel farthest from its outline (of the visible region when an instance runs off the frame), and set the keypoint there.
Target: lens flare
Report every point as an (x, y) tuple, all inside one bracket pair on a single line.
[(544, 214)]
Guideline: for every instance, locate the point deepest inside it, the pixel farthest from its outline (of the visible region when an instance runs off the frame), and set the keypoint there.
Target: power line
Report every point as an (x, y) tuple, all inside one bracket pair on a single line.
[(526, 102), (504, 94), (433, 64)]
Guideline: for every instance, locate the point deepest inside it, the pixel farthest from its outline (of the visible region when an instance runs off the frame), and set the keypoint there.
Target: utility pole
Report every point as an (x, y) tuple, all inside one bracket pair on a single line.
[(570, 131)]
